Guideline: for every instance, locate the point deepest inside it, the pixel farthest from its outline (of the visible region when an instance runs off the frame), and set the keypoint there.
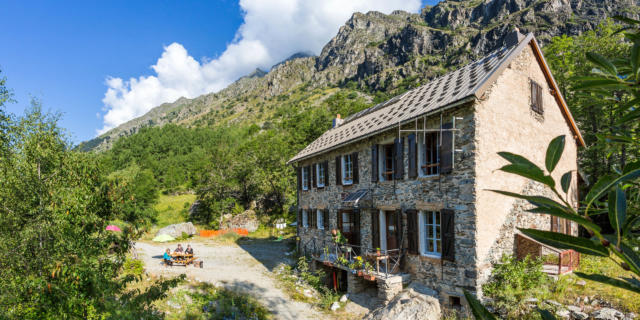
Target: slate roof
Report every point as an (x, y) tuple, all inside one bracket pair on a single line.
[(460, 85)]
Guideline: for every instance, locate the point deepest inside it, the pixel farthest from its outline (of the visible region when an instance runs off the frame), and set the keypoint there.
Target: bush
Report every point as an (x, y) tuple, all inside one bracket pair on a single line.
[(133, 267), (513, 282)]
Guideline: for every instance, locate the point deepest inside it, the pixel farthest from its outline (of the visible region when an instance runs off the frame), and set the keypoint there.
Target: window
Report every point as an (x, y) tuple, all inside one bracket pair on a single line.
[(428, 154), (536, 98), (347, 224), (305, 218), (320, 175), (455, 301), (347, 169), (305, 178), (430, 243), (386, 162), (320, 219)]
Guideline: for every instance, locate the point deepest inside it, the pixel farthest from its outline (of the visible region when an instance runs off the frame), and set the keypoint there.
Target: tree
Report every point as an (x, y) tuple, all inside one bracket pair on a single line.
[(57, 261)]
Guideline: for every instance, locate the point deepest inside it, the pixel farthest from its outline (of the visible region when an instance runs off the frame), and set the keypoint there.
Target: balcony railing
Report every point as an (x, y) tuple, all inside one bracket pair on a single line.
[(386, 262), (563, 261)]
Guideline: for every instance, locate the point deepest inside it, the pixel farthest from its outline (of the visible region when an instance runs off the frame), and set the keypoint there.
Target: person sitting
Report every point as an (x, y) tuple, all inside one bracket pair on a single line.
[(167, 257), (189, 250), (178, 249)]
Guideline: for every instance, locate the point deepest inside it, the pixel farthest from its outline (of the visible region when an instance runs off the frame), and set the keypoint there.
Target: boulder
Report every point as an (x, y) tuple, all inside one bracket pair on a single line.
[(176, 230), (335, 306), (411, 303), (607, 314), (245, 220)]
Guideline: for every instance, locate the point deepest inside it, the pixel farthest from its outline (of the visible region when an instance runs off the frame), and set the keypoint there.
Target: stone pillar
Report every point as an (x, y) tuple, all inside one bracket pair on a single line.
[(388, 288), (355, 284)]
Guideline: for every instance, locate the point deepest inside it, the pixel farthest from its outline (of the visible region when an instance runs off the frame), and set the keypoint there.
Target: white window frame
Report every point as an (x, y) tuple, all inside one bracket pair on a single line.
[(346, 181), (382, 160), (382, 216), (305, 218), (422, 158), (437, 241), (320, 175), (305, 178), (320, 219)]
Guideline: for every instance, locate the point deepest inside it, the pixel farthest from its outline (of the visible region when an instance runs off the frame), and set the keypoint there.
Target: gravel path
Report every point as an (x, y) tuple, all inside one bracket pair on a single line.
[(244, 268)]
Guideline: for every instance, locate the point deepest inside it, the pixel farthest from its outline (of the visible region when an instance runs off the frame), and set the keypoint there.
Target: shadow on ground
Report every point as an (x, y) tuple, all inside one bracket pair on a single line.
[(267, 251)]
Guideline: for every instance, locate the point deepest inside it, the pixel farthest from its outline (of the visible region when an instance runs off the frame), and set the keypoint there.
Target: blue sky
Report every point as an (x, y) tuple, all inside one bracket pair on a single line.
[(64, 52)]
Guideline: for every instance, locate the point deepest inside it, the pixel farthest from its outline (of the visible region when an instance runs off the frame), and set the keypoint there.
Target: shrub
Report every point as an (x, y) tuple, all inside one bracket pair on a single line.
[(133, 267), (513, 282)]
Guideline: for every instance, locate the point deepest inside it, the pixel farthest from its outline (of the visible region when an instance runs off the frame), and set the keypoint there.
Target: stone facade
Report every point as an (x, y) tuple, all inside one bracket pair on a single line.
[(485, 223)]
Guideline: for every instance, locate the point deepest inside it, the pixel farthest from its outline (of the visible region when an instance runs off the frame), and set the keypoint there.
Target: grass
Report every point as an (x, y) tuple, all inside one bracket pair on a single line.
[(621, 299), (173, 209)]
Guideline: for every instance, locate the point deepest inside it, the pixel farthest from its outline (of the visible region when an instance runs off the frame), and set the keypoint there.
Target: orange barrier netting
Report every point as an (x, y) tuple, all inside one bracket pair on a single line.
[(215, 233)]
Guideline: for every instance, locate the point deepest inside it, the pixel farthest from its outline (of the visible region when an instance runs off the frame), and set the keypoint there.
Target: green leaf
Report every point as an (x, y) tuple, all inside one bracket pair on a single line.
[(546, 315), (602, 63), (478, 310), (554, 152), (631, 225), (607, 182), (565, 215), (525, 168), (632, 115), (563, 241), (535, 200), (615, 138), (602, 83), (625, 19), (617, 209), (635, 59), (610, 281), (565, 181)]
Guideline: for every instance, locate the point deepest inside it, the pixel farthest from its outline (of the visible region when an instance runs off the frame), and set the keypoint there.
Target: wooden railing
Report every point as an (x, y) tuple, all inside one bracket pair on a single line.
[(567, 260)]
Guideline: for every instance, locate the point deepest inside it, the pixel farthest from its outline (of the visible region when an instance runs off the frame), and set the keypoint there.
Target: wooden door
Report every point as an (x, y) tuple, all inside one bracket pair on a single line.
[(392, 229)]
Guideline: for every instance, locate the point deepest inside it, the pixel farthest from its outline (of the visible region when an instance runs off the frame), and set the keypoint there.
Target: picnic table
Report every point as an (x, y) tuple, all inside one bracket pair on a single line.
[(184, 259)]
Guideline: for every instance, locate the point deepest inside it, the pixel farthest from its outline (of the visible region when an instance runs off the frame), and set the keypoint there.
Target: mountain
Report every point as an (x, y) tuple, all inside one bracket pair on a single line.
[(380, 55)]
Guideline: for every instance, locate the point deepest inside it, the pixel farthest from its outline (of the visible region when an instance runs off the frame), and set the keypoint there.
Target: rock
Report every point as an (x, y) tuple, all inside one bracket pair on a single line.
[(607, 314), (335, 306), (564, 314), (553, 303), (174, 305), (176, 230), (194, 208), (579, 315), (630, 316), (581, 283), (574, 308), (531, 300), (245, 220), (411, 303), (344, 298), (307, 293)]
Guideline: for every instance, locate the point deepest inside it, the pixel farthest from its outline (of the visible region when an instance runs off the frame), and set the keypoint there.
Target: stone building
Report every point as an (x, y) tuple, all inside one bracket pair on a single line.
[(412, 175)]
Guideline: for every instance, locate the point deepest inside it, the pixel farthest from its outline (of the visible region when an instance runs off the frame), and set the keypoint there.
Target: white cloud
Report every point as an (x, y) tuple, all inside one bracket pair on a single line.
[(272, 30)]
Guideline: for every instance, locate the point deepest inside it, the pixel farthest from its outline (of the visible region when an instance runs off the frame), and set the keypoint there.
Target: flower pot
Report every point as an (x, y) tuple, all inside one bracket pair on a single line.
[(360, 273), (327, 263), (378, 253), (334, 232)]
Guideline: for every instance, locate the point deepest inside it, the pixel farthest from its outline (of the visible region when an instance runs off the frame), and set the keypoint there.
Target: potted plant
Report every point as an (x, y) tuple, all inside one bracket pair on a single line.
[(378, 252)]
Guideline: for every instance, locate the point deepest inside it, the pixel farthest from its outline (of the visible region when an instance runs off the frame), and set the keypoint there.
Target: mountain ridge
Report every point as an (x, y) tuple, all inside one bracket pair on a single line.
[(380, 55)]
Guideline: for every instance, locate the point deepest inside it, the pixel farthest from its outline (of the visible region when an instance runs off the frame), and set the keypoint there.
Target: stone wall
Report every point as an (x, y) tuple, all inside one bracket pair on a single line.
[(506, 122), (455, 191)]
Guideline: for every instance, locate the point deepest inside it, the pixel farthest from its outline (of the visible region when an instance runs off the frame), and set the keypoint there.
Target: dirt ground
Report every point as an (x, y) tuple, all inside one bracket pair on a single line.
[(244, 267)]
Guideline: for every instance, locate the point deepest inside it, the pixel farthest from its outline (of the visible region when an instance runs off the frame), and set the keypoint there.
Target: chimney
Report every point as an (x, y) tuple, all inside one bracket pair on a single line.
[(513, 38), (337, 121)]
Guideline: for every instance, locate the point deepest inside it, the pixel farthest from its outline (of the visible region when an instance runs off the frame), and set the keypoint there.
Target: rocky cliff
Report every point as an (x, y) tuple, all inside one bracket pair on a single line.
[(382, 54)]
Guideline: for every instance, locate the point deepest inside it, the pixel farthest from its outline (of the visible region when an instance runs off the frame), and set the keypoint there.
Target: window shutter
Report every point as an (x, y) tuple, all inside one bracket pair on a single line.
[(400, 228), (314, 179), (554, 224), (374, 163), (536, 97), (325, 218), (446, 149), (448, 234), (326, 172), (567, 225), (338, 171), (412, 231), (356, 175), (339, 216), (299, 172), (398, 153), (299, 224), (355, 217), (310, 175), (375, 229), (413, 156)]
